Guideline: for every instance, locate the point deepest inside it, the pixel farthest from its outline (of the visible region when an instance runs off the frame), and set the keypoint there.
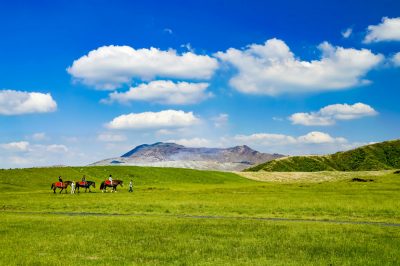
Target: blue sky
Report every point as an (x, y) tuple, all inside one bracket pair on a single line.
[(81, 81)]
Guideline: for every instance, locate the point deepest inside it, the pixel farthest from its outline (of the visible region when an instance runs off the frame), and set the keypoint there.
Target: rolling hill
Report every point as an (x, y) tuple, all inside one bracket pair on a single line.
[(162, 154), (378, 156)]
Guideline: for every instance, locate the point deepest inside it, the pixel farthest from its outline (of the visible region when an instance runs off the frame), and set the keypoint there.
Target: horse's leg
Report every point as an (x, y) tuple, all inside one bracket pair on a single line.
[(61, 189)]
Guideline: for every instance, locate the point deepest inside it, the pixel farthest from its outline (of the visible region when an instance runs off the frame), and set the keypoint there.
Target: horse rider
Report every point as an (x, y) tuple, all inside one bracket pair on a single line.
[(84, 180), (60, 180), (110, 179)]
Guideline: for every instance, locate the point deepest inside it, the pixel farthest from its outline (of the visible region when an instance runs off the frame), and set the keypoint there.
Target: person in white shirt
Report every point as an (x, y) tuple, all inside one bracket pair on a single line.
[(73, 188), (131, 186)]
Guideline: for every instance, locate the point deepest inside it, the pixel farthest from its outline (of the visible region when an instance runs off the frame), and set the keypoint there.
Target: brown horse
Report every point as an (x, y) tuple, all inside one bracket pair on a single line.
[(85, 185), (61, 186), (114, 184)]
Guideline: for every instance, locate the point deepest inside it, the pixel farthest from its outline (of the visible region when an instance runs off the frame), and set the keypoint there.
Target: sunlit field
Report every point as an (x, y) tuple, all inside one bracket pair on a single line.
[(180, 216)]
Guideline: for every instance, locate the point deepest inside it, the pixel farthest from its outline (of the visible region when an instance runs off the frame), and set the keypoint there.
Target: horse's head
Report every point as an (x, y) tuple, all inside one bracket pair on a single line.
[(93, 184)]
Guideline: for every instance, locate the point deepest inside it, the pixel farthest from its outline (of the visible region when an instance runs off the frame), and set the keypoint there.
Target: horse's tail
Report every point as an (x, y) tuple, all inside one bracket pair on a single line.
[(52, 186), (102, 185)]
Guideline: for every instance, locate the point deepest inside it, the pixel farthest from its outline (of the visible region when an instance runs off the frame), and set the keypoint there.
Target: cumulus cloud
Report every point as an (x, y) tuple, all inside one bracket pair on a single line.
[(396, 59), (266, 139), (329, 114), (23, 153), (110, 137), (272, 69), (193, 142), (154, 120), (314, 142), (16, 146), (20, 102), (387, 30), (164, 92), (346, 33), (109, 67)]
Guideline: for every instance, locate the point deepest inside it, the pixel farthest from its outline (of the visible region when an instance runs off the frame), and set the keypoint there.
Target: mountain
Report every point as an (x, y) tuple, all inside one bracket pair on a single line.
[(378, 156), (173, 155)]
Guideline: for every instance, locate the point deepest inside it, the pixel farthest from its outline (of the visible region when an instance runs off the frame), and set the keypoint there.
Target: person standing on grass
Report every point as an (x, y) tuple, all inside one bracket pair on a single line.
[(73, 188), (131, 186)]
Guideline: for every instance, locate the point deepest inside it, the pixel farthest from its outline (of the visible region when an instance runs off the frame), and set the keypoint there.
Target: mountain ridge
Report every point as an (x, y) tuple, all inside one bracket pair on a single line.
[(165, 154)]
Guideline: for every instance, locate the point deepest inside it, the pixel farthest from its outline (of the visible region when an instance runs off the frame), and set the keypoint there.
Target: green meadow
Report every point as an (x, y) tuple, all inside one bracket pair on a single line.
[(189, 217)]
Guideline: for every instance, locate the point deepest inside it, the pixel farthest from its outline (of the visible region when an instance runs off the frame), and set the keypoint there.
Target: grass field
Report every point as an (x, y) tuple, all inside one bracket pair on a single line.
[(186, 217)]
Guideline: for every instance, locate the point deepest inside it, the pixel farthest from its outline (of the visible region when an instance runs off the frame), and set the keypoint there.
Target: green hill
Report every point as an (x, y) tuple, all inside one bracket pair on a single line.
[(378, 156)]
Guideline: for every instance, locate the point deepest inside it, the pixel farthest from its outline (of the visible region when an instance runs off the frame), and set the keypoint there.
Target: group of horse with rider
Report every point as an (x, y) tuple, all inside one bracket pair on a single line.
[(86, 184)]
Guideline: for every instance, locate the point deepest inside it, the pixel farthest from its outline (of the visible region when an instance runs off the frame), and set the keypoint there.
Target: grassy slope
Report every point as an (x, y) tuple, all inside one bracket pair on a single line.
[(37, 227), (379, 156)]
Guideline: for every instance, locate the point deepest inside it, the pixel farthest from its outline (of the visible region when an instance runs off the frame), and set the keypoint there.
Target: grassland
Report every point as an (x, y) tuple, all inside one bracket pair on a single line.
[(186, 217), (378, 156)]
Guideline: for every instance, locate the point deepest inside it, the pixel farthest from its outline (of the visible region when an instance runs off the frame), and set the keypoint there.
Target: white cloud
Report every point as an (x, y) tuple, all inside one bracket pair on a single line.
[(23, 153), (194, 142), (266, 139), (396, 59), (317, 137), (314, 142), (329, 114), (188, 47), (154, 120), (110, 137), (346, 33), (311, 119), (387, 30), (164, 92), (16, 146), (20, 102), (221, 120), (273, 69), (39, 136), (56, 148), (109, 67)]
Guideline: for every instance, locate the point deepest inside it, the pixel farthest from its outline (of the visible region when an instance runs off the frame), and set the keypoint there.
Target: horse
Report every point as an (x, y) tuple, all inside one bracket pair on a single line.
[(61, 185), (85, 185), (114, 184)]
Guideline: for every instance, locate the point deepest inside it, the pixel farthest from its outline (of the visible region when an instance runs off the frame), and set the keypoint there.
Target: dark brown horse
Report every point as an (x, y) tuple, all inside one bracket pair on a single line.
[(113, 184), (61, 186), (85, 185)]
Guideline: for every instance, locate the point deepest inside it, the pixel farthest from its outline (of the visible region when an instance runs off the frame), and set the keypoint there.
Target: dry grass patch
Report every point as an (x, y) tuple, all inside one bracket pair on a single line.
[(292, 177)]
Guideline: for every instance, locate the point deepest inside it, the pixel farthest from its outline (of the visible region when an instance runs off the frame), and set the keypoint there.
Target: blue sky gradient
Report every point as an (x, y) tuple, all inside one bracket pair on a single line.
[(41, 39)]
